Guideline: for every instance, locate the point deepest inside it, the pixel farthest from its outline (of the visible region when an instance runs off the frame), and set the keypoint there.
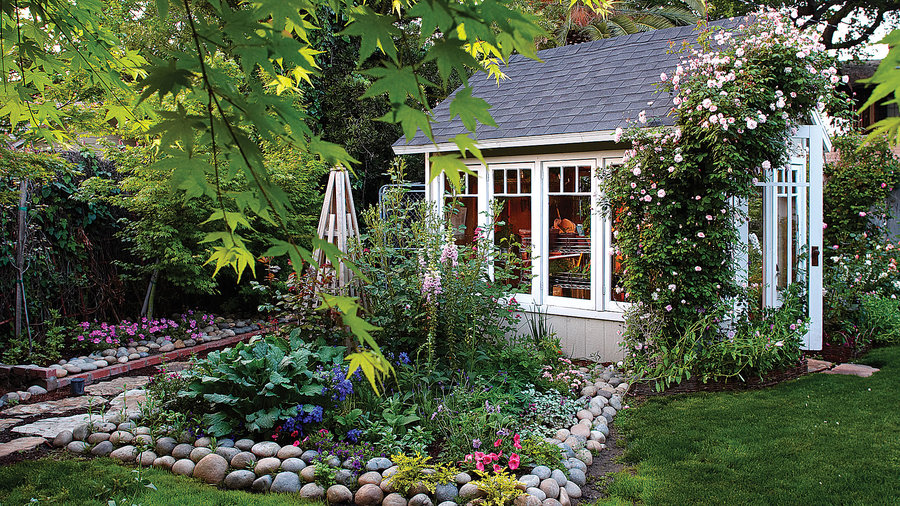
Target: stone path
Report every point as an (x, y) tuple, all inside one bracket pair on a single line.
[(848, 369), (23, 444)]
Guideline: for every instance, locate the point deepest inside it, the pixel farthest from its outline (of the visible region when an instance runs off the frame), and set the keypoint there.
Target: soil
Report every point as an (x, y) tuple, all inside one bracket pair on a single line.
[(605, 463)]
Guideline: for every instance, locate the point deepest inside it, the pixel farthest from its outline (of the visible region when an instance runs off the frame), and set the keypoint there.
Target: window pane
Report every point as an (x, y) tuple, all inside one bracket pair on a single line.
[(584, 179), (498, 180), (569, 179), (512, 181), (526, 180), (617, 292), (513, 235), (569, 220), (473, 185), (554, 180)]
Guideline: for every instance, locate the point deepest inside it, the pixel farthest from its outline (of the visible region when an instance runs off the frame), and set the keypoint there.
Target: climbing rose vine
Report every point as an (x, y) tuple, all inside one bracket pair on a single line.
[(737, 96)]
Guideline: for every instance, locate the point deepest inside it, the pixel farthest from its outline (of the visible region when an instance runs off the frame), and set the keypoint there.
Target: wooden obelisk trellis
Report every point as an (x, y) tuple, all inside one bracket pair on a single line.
[(337, 225)]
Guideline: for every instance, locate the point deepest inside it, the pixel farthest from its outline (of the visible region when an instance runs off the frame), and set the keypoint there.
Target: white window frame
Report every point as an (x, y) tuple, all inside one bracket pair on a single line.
[(608, 303), (533, 297)]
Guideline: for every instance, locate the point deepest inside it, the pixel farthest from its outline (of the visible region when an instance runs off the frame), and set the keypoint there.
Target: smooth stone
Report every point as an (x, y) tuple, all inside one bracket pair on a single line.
[(594, 446), (530, 481), (527, 500), (577, 476), (226, 443), (105, 427), (265, 449), (387, 473), (292, 464), (226, 452), (463, 478), (36, 390), (244, 445), (573, 490), (141, 431), (165, 445), (596, 435), (164, 462), (447, 503), (125, 454), (146, 458), (285, 482), (309, 455), (378, 464), (81, 431), (197, 454), (166, 348), (239, 479), (63, 438), (542, 472), (584, 415), (562, 434), (267, 465), (394, 499), (589, 391), (615, 381), (182, 451), (371, 477), (585, 456), (289, 452), (369, 495), (312, 491), (536, 492), (605, 393), (211, 468), (203, 442), (78, 447), (338, 494), (616, 402), (564, 498), (345, 477), (420, 500), (550, 487), (127, 426), (581, 430), (243, 460), (121, 437), (445, 492), (183, 467), (308, 474), (103, 448), (574, 463), (559, 476), (262, 483), (609, 412), (550, 502), (470, 491)]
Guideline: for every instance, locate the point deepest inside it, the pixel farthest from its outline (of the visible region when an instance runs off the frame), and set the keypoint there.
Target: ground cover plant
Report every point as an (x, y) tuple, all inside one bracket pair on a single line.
[(821, 438)]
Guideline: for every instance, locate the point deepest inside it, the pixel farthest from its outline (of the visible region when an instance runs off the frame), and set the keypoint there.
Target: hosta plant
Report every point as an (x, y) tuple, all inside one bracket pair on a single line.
[(254, 385)]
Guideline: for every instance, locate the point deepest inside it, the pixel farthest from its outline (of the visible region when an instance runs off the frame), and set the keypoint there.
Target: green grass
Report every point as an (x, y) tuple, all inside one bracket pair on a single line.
[(820, 439), (69, 480)]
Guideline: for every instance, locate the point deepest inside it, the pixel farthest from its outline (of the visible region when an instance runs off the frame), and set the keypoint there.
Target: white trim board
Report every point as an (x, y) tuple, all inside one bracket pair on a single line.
[(512, 142)]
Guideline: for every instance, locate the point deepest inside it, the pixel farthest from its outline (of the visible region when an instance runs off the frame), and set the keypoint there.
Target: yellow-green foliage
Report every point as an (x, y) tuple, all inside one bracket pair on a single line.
[(499, 487), (410, 473), (537, 452)]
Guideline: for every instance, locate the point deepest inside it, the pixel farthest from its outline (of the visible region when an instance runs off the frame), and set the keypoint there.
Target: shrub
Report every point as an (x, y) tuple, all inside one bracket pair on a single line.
[(500, 488), (410, 474), (880, 319), (256, 384)]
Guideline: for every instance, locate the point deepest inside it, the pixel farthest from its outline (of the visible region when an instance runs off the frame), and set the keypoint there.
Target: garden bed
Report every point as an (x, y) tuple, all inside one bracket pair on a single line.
[(59, 376), (693, 385)]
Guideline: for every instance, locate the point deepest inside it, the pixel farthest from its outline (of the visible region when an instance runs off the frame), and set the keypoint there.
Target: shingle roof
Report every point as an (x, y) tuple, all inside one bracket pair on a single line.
[(588, 87)]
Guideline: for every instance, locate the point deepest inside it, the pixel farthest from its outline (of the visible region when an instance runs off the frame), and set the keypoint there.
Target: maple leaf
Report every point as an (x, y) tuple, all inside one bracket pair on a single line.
[(376, 31), (469, 109)]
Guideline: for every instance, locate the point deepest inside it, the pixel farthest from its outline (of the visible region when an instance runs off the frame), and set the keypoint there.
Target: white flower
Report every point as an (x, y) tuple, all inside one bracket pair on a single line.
[(661, 193), (751, 124), (636, 171), (642, 116), (663, 77), (672, 288), (766, 165), (678, 158)]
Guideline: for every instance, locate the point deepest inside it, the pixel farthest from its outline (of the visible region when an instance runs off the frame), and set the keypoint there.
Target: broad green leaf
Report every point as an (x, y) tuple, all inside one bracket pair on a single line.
[(469, 109), (376, 31)]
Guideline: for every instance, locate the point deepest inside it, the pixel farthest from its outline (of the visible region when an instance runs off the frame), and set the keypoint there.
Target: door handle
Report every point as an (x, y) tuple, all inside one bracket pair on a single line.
[(815, 256)]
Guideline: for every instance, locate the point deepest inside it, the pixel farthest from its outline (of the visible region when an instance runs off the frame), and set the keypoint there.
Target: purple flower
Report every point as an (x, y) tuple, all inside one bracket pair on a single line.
[(476, 443)]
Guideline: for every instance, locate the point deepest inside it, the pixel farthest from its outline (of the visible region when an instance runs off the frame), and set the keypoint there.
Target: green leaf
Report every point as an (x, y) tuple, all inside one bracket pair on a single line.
[(470, 108), (376, 31), (466, 143), (410, 120), (162, 7), (164, 80)]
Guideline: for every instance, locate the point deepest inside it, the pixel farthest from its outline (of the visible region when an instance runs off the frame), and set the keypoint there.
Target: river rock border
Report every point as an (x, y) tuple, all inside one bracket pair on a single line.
[(266, 466)]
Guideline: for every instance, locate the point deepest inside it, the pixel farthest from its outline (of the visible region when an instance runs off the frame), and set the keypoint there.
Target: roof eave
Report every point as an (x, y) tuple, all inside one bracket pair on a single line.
[(511, 142)]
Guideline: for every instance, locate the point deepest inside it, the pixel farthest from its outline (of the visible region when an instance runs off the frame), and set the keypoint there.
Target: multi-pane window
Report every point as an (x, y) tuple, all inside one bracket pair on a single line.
[(568, 219), (512, 233), (461, 207)]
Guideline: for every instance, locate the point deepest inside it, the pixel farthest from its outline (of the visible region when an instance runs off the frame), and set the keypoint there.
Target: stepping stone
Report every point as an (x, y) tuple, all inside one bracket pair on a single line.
[(133, 398), (50, 427), (863, 371), (814, 365), (117, 385), (21, 444), (56, 407), (6, 423)]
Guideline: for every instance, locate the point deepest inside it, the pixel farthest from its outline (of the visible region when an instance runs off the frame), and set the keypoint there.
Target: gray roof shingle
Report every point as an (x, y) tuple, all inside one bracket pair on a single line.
[(588, 87)]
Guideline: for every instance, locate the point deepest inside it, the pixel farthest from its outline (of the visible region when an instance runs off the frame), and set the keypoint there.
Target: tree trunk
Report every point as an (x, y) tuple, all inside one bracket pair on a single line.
[(147, 309), (20, 256)]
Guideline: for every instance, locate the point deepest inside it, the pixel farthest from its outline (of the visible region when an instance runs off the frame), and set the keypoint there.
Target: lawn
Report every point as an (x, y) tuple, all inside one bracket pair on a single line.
[(54, 480), (820, 439)]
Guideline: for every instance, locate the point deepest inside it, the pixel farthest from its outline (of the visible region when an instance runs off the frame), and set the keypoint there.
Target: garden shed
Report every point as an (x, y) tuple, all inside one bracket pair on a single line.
[(556, 134)]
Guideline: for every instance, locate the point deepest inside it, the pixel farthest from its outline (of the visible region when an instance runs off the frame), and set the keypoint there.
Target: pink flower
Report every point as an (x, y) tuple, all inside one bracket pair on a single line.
[(669, 307), (479, 465), (497, 443), (296, 443), (497, 468), (516, 443), (862, 214), (514, 461)]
